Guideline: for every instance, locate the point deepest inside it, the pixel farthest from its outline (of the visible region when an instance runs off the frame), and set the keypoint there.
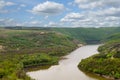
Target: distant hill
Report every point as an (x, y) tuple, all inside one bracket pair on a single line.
[(89, 35), (115, 36), (85, 35)]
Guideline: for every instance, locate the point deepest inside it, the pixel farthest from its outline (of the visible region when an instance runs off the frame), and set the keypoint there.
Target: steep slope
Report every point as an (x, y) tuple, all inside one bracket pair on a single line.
[(107, 62)]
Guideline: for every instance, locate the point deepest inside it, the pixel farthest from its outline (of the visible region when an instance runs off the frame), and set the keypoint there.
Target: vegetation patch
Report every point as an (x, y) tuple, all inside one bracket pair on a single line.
[(107, 62), (29, 48)]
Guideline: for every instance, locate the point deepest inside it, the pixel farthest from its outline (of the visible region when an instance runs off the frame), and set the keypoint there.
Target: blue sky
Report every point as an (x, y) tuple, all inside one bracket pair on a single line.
[(60, 13)]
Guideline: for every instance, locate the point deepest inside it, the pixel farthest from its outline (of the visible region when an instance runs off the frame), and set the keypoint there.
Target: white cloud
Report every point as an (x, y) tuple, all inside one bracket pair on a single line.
[(46, 17), (88, 4), (91, 19), (71, 3), (48, 8), (94, 13), (7, 22), (90, 13), (32, 17), (32, 23), (4, 4), (12, 22), (72, 17), (52, 24), (91, 4), (22, 5), (112, 18), (9, 3), (35, 22), (110, 12)]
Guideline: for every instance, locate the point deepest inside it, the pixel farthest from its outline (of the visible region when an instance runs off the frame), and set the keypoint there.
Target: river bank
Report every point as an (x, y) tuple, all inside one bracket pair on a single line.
[(106, 63), (67, 68)]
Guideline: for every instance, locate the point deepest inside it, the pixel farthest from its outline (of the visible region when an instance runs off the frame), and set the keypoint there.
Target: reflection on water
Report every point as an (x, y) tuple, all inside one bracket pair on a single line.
[(97, 77), (67, 68), (36, 68)]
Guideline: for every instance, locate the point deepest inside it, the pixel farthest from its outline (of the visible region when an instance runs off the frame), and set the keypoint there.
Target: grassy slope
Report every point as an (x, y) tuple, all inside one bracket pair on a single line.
[(107, 62)]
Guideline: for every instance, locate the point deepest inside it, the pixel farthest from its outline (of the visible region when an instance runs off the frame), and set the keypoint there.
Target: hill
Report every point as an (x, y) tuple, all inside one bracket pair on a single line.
[(20, 49), (107, 62), (31, 41), (89, 35), (84, 35)]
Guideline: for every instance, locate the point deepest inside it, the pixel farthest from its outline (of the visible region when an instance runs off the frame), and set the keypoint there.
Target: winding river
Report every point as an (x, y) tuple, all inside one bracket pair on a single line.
[(67, 68)]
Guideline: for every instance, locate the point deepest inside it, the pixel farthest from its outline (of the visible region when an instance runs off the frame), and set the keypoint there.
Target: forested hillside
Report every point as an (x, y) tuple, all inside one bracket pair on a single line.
[(85, 35), (107, 62), (31, 41), (20, 49), (89, 35)]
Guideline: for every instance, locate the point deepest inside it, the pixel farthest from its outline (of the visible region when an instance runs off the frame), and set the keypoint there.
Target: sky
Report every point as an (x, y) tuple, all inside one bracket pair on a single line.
[(60, 13)]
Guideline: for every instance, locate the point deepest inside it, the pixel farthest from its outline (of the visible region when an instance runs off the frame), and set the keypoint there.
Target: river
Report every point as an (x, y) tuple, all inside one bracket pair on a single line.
[(67, 68)]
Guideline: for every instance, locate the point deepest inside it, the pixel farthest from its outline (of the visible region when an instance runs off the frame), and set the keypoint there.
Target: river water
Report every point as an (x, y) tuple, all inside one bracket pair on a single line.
[(67, 68)]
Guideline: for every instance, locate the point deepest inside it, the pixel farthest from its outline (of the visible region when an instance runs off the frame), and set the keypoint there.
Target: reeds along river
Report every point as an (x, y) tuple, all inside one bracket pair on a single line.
[(67, 68)]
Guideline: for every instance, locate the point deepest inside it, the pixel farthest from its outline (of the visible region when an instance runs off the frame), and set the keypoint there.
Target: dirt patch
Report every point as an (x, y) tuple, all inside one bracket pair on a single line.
[(1, 47)]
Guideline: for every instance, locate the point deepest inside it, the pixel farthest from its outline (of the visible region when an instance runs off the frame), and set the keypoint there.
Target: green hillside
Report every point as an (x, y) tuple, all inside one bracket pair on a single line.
[(26, 41), (20, 49), (113, 37), (107, 62), (89, 35), (85, 35)]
